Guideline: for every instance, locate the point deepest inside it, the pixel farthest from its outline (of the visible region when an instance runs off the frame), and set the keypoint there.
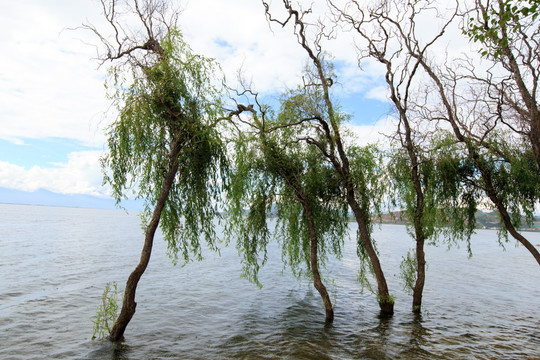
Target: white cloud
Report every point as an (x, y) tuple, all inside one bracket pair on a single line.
[(371, 134), (80, 175), (49, 85), (272, 59), (380, 93)]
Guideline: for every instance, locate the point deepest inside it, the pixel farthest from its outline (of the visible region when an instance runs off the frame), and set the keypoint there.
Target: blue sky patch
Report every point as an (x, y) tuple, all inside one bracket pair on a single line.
[(222, 43), (364, 111), (45, 152)]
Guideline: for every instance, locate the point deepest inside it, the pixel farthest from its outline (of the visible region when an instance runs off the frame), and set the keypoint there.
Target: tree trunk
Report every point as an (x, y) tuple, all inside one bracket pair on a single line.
[(420, 276), (129, 304), (317, 282), (490, 190), (385, 302), (314, 243), (534, 137), (420, 237)]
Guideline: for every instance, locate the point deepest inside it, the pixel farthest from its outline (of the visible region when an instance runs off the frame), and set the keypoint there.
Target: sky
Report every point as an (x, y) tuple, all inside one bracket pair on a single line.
[(53, 108)]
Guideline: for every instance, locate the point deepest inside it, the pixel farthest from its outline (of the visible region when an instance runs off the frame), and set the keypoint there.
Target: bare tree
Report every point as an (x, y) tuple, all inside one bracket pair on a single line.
[(509, 34), (382, 41), (446, 100)]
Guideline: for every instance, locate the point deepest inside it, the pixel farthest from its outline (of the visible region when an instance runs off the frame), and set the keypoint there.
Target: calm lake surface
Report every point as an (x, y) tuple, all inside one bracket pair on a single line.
[(55, 262)]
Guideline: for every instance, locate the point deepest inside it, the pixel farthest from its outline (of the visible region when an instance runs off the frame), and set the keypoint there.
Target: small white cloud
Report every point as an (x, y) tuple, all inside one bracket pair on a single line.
[(374, 133), (380, 93)]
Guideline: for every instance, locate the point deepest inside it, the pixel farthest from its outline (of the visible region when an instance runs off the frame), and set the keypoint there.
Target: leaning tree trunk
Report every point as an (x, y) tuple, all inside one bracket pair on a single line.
[(317, 282), (314, 243), (490, 189), (129, 304), (385, 302), (492, 194)]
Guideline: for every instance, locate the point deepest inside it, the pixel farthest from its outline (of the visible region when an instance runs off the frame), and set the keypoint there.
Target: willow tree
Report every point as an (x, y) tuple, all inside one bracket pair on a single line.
[(452, 97), (278, 175), (428, 175), (164, 145), (353, 165), (504, 174)]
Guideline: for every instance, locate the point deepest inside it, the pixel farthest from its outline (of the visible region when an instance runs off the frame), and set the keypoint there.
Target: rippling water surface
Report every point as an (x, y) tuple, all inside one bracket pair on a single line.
[(55, 262)]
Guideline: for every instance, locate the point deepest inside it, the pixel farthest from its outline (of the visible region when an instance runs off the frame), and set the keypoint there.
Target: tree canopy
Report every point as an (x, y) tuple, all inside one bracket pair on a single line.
[(168, 109)]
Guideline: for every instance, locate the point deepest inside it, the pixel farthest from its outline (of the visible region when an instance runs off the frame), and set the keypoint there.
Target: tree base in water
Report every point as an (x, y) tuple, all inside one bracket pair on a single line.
[(387, 309)]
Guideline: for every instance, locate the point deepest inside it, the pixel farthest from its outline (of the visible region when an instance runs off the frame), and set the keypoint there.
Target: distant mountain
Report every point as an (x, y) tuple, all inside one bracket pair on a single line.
[(484, 220), (490, 220), (48, 198)]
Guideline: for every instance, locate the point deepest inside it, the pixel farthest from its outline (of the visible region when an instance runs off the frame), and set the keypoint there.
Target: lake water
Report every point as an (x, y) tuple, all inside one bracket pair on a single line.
[(55, 262)]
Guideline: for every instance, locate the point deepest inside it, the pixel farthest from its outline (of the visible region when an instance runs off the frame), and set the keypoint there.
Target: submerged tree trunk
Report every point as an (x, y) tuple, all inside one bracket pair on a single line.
[(317, 282), (420, 235), (129, 304), (420, 276), (386, 303), (314, 244), (332, 134)]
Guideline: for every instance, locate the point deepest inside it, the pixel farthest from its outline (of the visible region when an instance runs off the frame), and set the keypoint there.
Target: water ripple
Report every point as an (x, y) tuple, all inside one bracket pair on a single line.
[(55, 265)]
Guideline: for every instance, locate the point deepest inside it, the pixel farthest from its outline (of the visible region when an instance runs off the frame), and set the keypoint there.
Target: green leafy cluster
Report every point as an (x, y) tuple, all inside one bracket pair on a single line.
[(408, 268), (171, 103), (107, 311), (515, 173), (368, 174), (275, 176), (250, 199), (495, 24), (447, 180)]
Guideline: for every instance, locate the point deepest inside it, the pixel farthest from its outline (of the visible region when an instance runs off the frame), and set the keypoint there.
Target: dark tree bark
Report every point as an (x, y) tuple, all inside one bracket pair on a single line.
[(489, 188), (129, 305), (418, 289), (317, 282), (340, 160), (385, 302)]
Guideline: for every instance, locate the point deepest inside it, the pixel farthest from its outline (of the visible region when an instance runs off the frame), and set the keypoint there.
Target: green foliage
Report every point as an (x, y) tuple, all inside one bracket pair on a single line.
[(408, 269), (275, 174), (389, 300), (107, 311), (453, 187), (319, 187), (447, 179), (497, 24), (514, 173), (367, 173), (169, 102), (250, 198), (365, 272)]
